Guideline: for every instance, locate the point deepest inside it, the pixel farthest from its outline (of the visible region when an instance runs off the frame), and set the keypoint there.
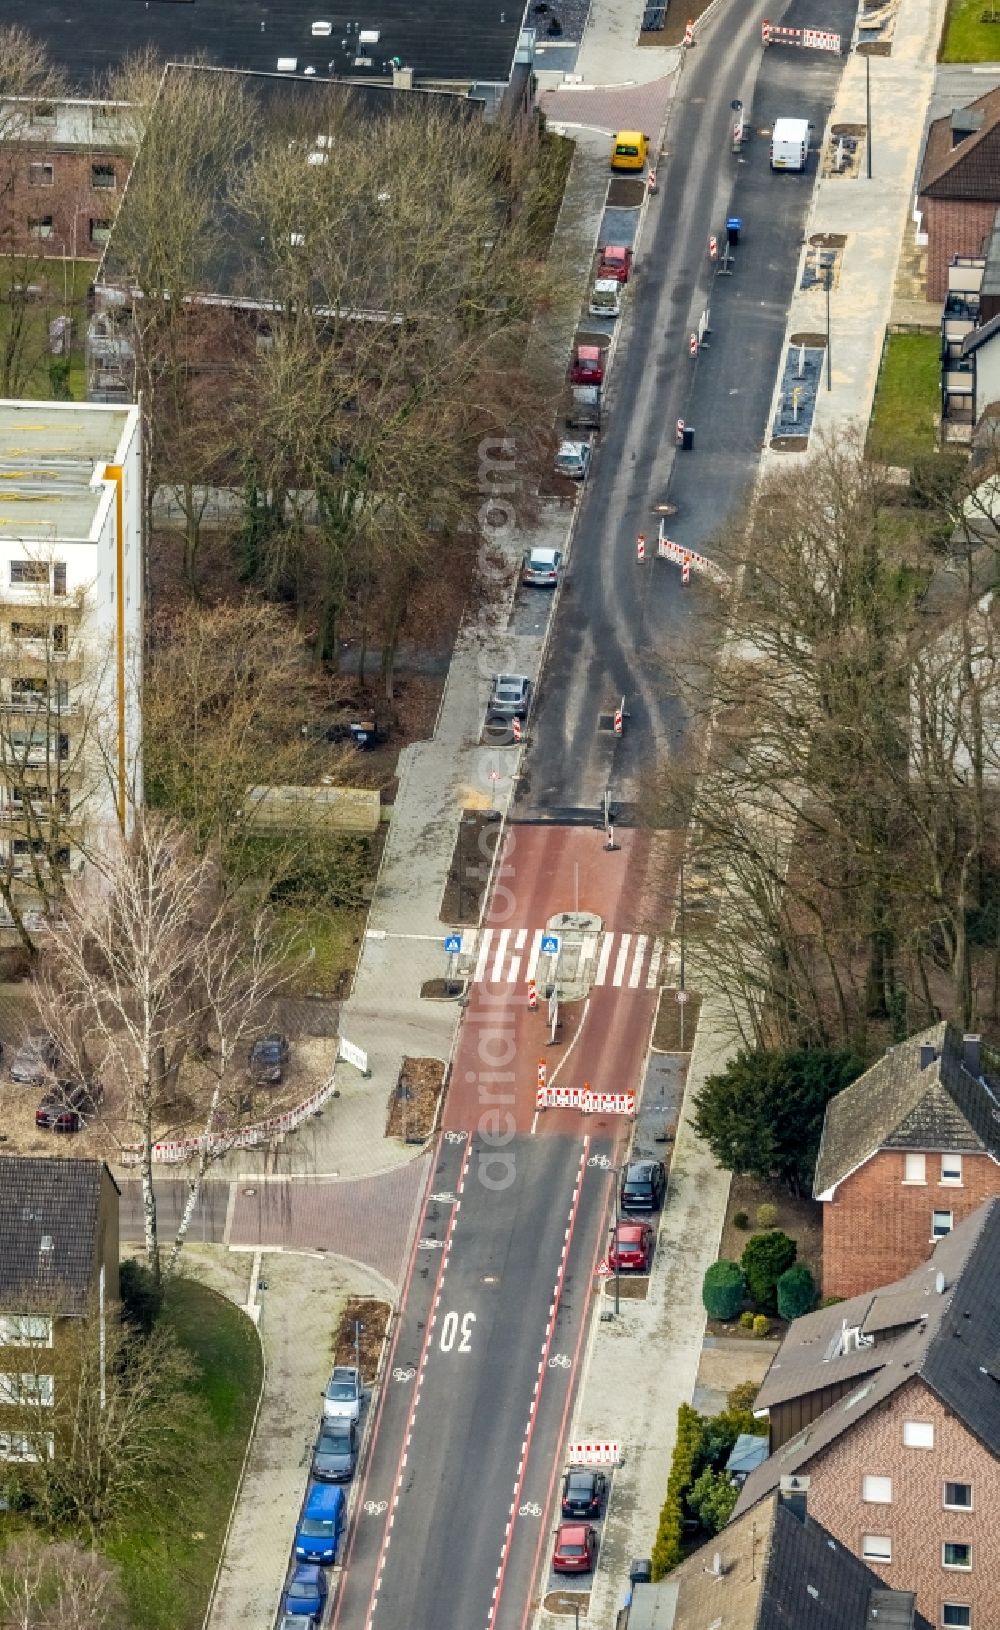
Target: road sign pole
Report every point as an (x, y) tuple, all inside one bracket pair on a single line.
[(618, 1254)]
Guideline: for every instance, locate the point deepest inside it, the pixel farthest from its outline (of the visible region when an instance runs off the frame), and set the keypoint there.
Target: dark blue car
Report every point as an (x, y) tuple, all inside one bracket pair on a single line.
[(306, 1593)]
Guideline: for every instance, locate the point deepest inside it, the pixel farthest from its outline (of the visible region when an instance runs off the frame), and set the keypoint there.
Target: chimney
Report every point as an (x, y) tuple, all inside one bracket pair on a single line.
[(972, 1061), (928, 1054), (794, 1494), (402, 79)]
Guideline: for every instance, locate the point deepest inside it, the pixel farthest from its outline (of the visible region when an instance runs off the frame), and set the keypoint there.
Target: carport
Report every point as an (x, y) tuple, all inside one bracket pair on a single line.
[(652, 1607)]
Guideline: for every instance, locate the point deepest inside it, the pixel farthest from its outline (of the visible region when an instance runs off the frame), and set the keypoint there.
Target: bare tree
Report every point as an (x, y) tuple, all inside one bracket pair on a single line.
[(58, 1586), (153, 979)]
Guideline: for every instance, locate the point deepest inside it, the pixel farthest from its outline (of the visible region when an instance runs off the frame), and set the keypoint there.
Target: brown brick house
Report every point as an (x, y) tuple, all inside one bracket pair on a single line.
[(907, 1151), (959, 186), (885, 1425), (63, 169), (58, 1264), (775, 1568)]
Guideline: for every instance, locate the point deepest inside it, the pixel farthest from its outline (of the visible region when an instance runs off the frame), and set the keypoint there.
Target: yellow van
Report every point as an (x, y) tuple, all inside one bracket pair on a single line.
[(629, 150)]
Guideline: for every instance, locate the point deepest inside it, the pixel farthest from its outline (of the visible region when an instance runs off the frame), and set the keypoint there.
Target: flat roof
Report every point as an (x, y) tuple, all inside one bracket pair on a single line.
[(439, 41), (48, 453)]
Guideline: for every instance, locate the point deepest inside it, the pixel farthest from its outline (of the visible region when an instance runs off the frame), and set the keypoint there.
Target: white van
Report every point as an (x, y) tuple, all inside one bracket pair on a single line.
[(789, 144)]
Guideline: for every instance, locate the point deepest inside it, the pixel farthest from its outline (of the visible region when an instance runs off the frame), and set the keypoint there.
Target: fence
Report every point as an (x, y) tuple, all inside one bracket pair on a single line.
[(246, 1137)]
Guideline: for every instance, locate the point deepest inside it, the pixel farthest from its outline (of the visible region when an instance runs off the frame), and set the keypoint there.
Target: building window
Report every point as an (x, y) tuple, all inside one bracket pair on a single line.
[(27, 1330), (59, 636), (878, 1490), (59, 577), (28, 571), (100, 231), (958, 1496), (956, 1615), (956, 1555), (19, 1446), (918, 1434), (26, 1389), (951, 1168), (41, 174), (876, 1548), (41, 226), (103, 177), (941, 1224), (914, 1168), (44, 113)]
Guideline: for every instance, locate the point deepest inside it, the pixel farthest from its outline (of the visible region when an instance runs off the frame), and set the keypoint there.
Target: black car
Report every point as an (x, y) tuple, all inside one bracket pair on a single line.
[(583, 1493), (69, 1105), (644, 1185), (268, 1057), (336, 1453)]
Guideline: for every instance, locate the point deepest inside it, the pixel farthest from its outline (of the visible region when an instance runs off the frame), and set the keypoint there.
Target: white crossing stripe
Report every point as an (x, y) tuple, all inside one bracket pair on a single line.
[(587, 949), (619, 973), (536, 946), (637, 961), (654, 965), (484, 951), (499, 959), (607, 940), (515, 961)]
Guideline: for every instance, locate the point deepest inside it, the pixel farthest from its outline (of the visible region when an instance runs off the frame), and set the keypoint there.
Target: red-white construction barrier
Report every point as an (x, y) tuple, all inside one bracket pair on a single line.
[(713, 247), (689, 33), (586, 1100), (532, 996), (593, 1454), (171, 1153), (542, 1074), (679, 433), (693, 345), (640, 547), (812, 39), (517, 732), (666, 549)]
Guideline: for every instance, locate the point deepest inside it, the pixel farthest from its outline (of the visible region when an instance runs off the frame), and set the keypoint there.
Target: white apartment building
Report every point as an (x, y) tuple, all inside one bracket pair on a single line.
[(71, 585)]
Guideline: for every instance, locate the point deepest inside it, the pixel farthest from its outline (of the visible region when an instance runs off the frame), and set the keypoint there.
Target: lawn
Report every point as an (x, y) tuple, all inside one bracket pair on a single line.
[(967, 38), (65, 285), (907, 399), (167, 1569)]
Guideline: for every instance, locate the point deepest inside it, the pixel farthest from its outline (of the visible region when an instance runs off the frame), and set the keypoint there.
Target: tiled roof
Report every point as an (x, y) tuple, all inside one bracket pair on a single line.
[(969, 169), (48, 1232), (475, 43), (900, 1104), (782, 1573), (954, 1348)]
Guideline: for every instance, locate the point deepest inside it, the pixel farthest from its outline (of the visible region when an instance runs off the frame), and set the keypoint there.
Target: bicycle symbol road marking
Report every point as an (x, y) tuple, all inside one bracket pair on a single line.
[(530, 1510), (429, 1244), (403, 1375), (599, 1160), (375, 1508), (443, 1199), (454, 1137), (559, 1361)]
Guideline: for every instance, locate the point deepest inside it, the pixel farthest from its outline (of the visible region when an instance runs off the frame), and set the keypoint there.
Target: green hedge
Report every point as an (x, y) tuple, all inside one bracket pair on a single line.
[(723, 1289), (667, 1547)]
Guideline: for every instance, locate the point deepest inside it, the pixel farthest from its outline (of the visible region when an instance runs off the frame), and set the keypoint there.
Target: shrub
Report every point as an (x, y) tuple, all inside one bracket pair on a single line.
[(742, 1396), (765, 1258), (767, 1215), (667, 1547), (796, 1291), (723, 1289), (712, 1498), (741, 1221), (142, 1296), (761, 1325), (746, 1320)]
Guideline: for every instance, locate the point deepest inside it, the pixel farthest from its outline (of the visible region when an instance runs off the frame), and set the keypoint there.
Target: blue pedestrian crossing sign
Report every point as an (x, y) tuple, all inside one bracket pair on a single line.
[(453, 944), (550, 944)]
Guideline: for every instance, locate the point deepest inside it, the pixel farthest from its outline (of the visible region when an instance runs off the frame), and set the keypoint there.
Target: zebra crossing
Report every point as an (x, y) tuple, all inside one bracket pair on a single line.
[(509, 956)]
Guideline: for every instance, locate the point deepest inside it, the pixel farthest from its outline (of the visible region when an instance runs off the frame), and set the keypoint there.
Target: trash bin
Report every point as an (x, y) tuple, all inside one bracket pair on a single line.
[(640, 1572), (733, 228), (687, 440), (363, 732)]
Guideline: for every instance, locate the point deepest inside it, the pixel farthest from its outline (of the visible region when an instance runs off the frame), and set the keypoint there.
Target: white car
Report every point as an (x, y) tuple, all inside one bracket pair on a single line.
[(342, 1397), (541, 567), (606, 298), (573, 459)]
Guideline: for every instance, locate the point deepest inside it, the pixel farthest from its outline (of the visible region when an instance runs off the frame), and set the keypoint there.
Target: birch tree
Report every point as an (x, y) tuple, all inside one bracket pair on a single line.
[(58, 1586)]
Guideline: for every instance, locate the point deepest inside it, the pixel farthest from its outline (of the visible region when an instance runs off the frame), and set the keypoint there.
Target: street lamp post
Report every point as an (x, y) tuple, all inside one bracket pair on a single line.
[(618, 1255), (868, 114), (829, 353)]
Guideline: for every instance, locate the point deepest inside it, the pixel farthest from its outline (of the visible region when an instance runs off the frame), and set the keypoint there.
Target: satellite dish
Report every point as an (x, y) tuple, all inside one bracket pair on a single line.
[(939, 1283)]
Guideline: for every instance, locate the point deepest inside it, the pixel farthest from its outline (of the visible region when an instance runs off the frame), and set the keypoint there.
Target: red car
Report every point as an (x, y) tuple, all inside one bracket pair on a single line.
[(576, 1548), (69, 1105), (588, 365), (616, 261), (633, 1248)]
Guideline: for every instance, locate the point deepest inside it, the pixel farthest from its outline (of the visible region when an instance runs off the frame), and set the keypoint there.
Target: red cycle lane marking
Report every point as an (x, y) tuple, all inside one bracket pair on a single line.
[(388, 1370), (539, 1382)]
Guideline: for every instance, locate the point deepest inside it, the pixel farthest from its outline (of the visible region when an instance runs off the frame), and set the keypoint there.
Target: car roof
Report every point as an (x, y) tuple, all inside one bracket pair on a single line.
[(605, 283), (631, 1228), (344, 1372), (640, 1168), (574, 447), (306, 1572), (580, 1474), (572, 1531), (549, 556), (615, 249), (588, 351)]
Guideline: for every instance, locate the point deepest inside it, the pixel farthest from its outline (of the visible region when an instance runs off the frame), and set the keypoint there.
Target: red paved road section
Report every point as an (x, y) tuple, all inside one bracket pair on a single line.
[(547, 870), (368, 1220)]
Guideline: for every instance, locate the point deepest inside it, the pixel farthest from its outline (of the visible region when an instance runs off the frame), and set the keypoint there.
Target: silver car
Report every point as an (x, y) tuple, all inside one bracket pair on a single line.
[(541, 567), (343, 1393), (573, 459), (510, 695)]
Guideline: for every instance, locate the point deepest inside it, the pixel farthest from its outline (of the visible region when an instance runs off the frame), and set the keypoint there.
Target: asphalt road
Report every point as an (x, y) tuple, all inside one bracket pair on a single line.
[(615, 619), (475, 1413)]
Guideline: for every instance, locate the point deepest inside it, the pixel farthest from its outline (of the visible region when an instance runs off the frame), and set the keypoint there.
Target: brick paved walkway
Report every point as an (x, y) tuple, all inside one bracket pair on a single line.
[(613, 107)]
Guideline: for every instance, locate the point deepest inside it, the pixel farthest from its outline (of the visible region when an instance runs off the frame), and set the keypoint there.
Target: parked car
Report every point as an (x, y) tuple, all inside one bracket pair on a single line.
[(587, 367), (35, 1059), (576, 1548), (306, 1593), (615, 261), (583, 407), (321, 1525), (343, 1393), (631, 1246), (510, 696), (268, 1060), (295, 1621), (573, 459), (541, 567), (644, 1185), (336, 1453), (629, 150), (605, 298), (69, 1105), (583, 1493)]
